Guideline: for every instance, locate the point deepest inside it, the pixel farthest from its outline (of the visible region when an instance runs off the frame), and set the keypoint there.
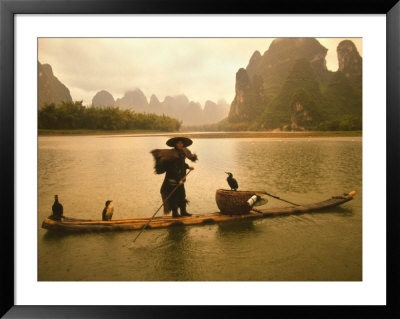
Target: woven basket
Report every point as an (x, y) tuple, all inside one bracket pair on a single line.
[(233, 202)]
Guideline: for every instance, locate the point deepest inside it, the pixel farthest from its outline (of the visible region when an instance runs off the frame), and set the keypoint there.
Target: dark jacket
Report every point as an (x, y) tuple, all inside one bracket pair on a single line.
[(167, 158), (176, 170), (172, 162)]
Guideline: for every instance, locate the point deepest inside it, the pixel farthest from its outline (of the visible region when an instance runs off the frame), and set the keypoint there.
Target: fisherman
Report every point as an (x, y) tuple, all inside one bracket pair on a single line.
[(172, 162)]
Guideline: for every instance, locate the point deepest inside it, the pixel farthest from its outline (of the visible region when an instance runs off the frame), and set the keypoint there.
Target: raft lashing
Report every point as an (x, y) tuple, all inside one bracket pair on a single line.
[(232, 207)]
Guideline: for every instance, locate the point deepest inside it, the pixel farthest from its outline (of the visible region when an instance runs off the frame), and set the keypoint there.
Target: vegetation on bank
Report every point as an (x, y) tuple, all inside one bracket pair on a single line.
[(346, 124), (95, 132), (75, 116), (266, 134), (208, 134), (70, 118), (304, 101)]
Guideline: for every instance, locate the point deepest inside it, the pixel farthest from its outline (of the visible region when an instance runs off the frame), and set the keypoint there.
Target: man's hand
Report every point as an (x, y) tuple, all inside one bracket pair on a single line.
[(191, 168)]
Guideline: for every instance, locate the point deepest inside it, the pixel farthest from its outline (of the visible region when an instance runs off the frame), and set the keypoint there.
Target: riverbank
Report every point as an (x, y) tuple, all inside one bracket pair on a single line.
[(249, 134), (243, 134), (94, 132)]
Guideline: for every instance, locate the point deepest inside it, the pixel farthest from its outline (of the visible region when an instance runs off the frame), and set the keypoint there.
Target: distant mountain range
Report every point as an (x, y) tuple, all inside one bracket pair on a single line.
[(179, 107), (51, 90), (290, 88)]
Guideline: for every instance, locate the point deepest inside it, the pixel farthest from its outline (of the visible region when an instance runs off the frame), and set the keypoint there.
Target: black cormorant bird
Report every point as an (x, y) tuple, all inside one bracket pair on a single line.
[(233, 184), (57, 208), (108, 211)]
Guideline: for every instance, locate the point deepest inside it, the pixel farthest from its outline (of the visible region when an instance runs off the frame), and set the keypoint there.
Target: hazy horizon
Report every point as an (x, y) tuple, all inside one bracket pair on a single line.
[(200, 68)]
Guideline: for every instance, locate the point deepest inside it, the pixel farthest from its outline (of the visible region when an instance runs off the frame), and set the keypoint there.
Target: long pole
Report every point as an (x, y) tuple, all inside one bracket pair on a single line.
[(265, 193), (281, 199), (170, 194)]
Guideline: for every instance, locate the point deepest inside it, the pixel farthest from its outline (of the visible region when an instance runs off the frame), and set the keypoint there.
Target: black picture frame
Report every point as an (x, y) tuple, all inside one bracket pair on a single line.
[(8, 10)]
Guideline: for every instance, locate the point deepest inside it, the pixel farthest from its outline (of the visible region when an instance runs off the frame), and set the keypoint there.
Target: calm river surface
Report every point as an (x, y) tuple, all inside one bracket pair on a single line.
[(85, 171)]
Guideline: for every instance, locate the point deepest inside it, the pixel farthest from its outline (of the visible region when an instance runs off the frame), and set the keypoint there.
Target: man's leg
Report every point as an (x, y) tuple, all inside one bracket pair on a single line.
[(183, 202)]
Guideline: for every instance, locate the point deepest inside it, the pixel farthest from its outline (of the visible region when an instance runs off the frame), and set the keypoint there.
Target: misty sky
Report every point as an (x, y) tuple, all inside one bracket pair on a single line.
[(201, 68)]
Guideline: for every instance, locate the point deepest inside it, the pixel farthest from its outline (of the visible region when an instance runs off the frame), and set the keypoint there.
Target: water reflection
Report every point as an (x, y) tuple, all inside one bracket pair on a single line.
[(175, 256), (298, 170), (176, 235), (294, 166), (53, 236), (340, 210), (235, 228)]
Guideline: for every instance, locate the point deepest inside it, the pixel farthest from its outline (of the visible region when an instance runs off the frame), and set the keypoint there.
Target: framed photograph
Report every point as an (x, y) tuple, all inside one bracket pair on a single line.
[(102, 55)]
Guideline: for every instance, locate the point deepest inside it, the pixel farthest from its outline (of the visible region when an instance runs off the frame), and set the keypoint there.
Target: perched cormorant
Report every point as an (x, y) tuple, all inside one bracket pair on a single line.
[(108, 210), (233, 184), (57, 208)]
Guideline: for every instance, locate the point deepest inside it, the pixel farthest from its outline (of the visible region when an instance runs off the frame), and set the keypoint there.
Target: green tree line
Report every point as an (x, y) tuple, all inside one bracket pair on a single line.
[(74, 115), (305, 101)]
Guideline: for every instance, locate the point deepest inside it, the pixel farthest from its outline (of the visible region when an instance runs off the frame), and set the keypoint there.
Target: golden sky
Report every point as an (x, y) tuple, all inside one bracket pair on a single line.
[(201, 68)]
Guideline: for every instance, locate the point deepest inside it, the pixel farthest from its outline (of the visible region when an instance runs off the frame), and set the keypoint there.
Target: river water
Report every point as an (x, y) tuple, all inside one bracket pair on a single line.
[(85, 171)]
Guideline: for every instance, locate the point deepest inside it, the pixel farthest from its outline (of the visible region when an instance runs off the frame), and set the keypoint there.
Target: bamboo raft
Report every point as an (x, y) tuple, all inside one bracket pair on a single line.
[(73, 225)]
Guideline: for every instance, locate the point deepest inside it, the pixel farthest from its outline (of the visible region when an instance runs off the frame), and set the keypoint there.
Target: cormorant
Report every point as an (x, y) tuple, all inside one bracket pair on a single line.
[(233, 184), (57, 208), (108, 210)]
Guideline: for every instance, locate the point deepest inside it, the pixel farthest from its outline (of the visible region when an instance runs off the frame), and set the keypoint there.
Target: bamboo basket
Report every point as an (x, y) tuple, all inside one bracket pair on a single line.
[(233, 202)]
